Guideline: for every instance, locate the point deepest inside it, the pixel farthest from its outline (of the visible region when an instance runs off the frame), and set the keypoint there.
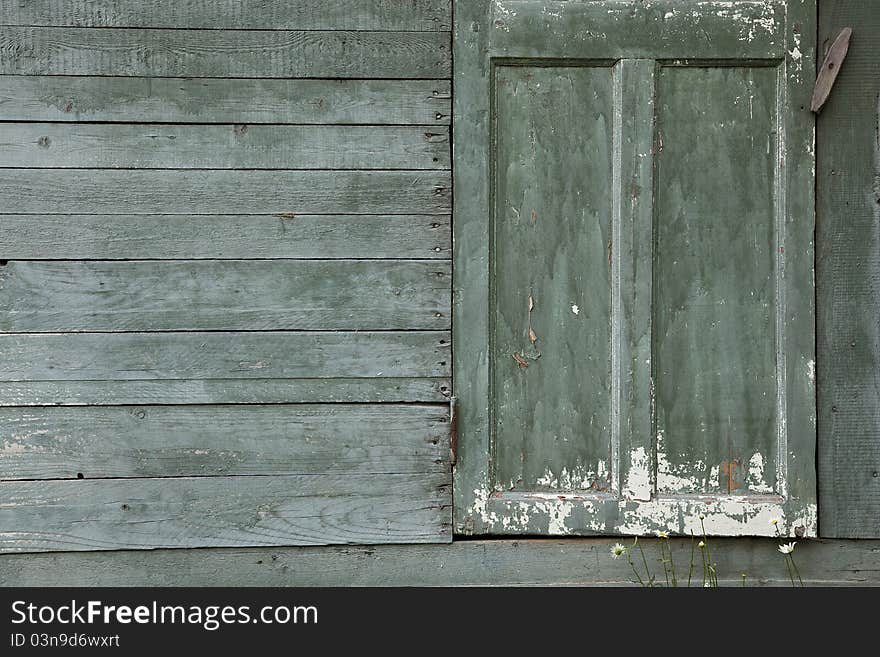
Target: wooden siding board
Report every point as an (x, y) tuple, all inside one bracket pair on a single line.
[(187, 512), (230, 295), (533, 562), (239, 236), (191, 441), (225, 391), (422, 15), (236, 146), (848, 272), (223, 53), (220, 355), (124, 191), (217, 100)]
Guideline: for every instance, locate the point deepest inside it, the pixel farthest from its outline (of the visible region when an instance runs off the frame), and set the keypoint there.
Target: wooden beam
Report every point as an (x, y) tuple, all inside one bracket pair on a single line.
[(488, 563)]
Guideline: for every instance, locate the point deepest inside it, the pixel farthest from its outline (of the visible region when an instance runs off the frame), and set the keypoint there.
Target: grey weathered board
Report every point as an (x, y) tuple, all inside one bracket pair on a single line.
[(192, 441), (239, 236), (848, 272), (634, 214), (528, 562), (224, 295), (311, 509), (224, 273), (236, 146), (217, 100), (390, 15), (223, 53), (198, 191)]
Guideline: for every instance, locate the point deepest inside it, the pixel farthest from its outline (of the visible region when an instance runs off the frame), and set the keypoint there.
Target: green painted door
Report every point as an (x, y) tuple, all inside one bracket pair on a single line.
[(634, 326)]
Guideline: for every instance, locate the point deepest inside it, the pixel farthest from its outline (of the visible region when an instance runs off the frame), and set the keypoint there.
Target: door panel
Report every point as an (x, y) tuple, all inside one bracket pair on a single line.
[(633, 334), (715, 280), (551, 279)]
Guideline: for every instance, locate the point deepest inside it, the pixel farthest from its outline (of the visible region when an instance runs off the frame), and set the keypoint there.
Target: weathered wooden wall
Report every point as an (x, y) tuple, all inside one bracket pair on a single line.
[(224, 273), (848, 278)]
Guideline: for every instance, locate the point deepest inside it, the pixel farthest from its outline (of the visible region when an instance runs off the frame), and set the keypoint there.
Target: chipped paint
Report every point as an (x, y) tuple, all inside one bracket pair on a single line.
[(638, 479), (755, 480)]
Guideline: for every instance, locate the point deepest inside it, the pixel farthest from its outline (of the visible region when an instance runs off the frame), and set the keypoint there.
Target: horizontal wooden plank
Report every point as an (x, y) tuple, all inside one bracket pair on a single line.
[(224, 511), (426, 15), (220, 391), (216, 100), (223, 54), (533, 562), (182, 441), (108, 191), (156, 237), (223, 295), (218, 355), (238, 146)]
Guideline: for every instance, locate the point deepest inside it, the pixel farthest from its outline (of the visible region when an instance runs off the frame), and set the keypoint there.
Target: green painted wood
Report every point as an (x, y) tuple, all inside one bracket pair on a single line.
[(224, 295), (217, 100), (427, 15), (237, 146), (533, 562), (722, 207), (32, 191), (223, 53), (191, 441), (217, 355), (313, 509), (661, 29), (148, 237), (716, 301), (551, 315), (225, 391), (848, 273)]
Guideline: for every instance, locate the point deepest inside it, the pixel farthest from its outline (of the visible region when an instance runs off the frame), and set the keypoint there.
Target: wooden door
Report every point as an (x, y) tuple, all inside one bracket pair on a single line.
[(634, 298)]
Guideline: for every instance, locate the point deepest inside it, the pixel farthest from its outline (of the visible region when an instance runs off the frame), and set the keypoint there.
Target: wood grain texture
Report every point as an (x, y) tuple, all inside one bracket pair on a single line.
[(74, 191), (533, 562), (217, 355), (661, 29), (715, 280), (237, 146), (156, 237), (225, 391), (424, 15), (223, 53), (551, 342), (848, 273), (224, 295), (216, 100), (315, 509), (192, 441)]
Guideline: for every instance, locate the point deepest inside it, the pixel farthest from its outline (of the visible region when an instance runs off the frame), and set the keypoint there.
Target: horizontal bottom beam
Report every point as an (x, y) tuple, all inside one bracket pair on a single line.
[(585, 562)]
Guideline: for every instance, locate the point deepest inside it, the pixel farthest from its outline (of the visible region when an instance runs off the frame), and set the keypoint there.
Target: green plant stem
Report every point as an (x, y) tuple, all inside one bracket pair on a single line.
[(633, 566), (691, 568), (671, 564), (663, 561), (645, 561), (796, 571)]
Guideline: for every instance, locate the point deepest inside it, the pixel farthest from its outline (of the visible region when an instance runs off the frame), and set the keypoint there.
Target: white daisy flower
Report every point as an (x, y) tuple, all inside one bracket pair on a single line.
[(662, 534), (701, 544), (774, 521), (617, 551), (787, 548)]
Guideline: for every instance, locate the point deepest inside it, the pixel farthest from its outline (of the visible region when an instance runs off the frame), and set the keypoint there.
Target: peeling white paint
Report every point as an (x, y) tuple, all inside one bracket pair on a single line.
[(811, 371), (575, 309), (755, 476), (638, 478)]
